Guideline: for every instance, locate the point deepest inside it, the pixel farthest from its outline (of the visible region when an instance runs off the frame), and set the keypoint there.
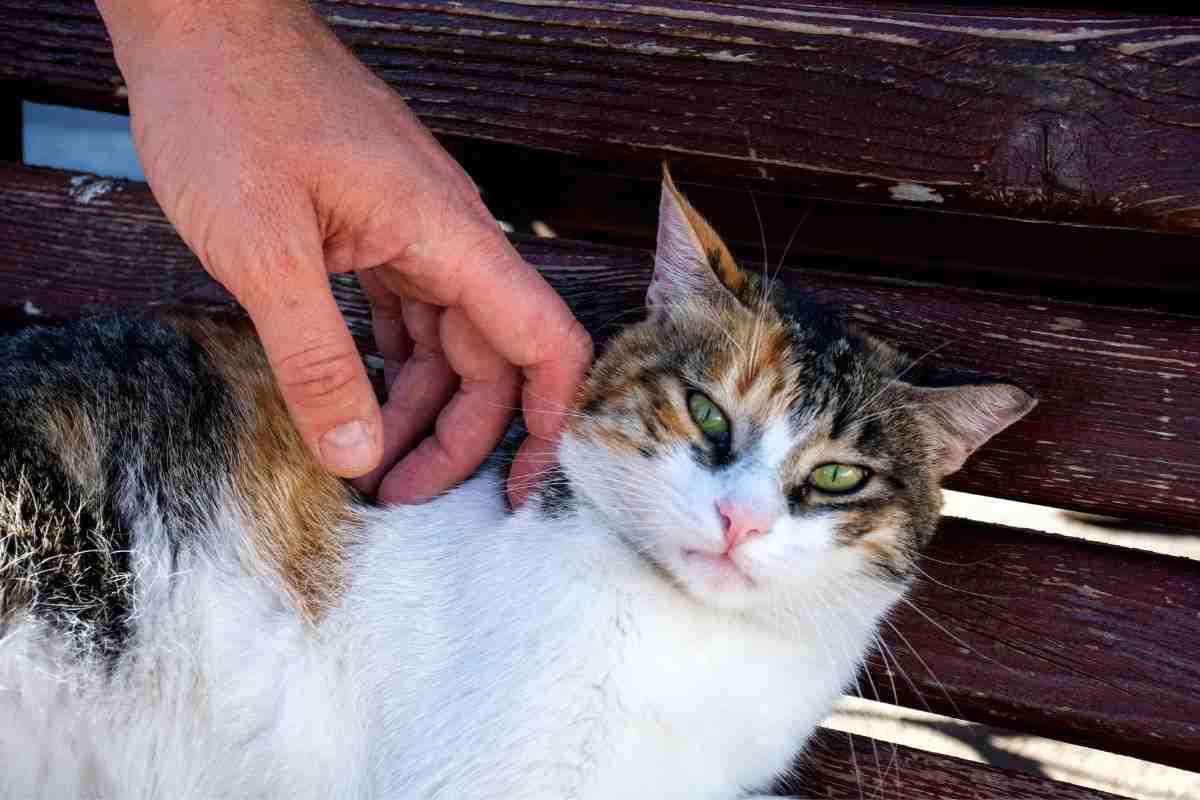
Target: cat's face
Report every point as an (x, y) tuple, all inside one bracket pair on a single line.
[(750, 445)]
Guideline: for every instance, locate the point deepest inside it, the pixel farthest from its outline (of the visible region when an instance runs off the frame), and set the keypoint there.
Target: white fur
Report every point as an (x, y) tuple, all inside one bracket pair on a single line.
[(475, 654)]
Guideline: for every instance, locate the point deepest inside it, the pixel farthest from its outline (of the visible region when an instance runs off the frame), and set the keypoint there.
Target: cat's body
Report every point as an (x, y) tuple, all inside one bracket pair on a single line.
[(191, 608), (470, 652)]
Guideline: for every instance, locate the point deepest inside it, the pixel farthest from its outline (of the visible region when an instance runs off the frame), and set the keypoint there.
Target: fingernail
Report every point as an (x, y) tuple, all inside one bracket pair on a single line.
[(347, 449)]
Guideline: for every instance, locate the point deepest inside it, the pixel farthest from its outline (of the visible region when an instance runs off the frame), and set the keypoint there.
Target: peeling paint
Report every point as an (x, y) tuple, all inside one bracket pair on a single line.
[(654, 49), (1067, 324), (86, 188), (31, 310), (915, 193), (726, 55)]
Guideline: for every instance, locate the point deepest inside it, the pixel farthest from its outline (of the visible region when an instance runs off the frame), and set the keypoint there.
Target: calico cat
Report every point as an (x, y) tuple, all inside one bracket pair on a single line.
[(191, 607)]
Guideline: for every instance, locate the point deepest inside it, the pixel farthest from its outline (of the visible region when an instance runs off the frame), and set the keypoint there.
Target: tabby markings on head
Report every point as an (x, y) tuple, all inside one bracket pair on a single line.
[(799, 387)]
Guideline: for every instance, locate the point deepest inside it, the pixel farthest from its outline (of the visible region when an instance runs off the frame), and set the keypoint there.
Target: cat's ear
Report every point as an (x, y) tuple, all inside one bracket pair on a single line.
[(690, 261), (962, 418)]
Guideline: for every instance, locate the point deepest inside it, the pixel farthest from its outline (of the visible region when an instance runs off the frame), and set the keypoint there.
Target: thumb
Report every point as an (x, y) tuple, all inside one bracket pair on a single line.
[(317, 366)]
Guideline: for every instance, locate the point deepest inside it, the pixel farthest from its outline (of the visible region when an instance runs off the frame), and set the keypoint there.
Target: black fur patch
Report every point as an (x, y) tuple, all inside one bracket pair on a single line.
[(161, 420), (552, 495), (555, 497)]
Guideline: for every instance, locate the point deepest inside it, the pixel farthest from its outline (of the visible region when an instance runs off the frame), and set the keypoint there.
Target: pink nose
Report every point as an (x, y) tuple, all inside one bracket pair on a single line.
[(741, 522)]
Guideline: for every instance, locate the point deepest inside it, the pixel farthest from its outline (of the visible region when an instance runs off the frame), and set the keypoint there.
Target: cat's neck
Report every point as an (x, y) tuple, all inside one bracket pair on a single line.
[(457, 597)]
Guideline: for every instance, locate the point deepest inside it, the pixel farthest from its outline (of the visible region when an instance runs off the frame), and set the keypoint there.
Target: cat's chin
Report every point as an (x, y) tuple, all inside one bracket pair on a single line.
[(717, 579)]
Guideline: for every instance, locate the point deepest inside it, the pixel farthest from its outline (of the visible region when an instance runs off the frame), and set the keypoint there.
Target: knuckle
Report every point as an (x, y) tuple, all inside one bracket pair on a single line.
[(578, 343), (319, 376)]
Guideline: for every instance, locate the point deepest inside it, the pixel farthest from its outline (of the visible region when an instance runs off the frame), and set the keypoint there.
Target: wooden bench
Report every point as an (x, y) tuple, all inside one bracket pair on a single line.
[(1010, 191)]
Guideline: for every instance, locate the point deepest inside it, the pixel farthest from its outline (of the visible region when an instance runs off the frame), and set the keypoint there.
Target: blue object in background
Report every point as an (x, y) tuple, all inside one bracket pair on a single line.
[(74, 139)]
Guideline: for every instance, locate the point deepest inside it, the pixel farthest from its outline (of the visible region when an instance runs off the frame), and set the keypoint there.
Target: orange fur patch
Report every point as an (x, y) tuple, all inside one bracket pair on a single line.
[(298, 511), (768, 356), (672, 419), (615, 439), (874, 532), (719, 257), (71, 435)]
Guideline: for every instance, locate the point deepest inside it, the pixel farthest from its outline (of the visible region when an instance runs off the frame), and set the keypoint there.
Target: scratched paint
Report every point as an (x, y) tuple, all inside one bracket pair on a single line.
[(915, 193)]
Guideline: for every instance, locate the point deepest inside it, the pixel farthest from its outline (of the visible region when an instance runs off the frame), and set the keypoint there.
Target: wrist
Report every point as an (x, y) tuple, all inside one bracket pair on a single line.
[(148, 35)]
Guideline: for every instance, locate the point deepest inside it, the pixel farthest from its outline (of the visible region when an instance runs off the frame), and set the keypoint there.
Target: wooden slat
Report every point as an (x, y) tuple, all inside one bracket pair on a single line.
[(1117, 432), (1081, 642), (1060, 114), (844, 766), (617, 203)]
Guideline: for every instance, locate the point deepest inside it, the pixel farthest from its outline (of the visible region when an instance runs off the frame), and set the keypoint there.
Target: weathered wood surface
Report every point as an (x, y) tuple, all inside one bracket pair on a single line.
[(844, 766), (618, 204), (1086, 643), (1048, 114), (1117, 432), (1051, 635)]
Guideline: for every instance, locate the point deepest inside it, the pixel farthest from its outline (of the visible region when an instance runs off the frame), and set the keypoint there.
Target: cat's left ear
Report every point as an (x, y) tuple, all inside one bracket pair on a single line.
[(691, 260), (962, 418)]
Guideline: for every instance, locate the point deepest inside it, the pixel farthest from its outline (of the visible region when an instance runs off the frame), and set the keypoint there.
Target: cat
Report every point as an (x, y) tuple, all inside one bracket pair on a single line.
[(191, 607)]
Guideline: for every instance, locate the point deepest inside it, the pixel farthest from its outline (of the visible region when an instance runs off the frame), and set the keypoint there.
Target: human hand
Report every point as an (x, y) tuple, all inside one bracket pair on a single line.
[(280, 158)]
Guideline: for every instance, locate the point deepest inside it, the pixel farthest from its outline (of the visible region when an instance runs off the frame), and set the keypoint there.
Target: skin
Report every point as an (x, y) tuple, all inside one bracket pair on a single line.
[(280, 158)]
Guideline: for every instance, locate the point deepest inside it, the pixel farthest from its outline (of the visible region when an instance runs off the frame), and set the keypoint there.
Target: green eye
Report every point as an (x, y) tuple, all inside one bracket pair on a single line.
[(839, 478), (709, 418)]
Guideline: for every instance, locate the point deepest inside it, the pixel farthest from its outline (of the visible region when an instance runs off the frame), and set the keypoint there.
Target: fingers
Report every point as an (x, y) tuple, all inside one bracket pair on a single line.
[(528, 324), (522, 321), (387, 324), (315, 362), (531, 326), (469, 426), (534, 461), (423, 385)]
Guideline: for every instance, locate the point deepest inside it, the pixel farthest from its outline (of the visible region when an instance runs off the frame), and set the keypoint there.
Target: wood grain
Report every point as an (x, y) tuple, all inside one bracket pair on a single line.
[(617, 203), (1081, 642), (1045, 114), (1117, 431), (844, 766)]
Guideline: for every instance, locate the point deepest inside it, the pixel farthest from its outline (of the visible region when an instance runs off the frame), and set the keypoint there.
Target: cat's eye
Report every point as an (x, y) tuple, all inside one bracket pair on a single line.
[(710, 419), (839, 478)]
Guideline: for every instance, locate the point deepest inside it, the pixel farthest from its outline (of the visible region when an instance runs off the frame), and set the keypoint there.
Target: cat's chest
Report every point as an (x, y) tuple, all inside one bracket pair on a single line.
[(697, 708)]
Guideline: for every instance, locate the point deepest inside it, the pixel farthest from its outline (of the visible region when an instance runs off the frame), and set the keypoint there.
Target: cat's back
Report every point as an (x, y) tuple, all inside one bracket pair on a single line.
[(162, 529), (93, 414)]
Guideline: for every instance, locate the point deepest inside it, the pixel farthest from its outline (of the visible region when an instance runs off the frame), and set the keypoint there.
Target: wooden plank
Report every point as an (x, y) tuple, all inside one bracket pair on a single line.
[(1081, 642), (1045, 114), (618, 204), (1117, 431), (1094, 645), (844, 766)]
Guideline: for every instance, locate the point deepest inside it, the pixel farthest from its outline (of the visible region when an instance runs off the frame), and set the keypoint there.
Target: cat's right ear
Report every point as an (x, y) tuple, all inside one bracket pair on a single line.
[(691, 260), (962, 418)]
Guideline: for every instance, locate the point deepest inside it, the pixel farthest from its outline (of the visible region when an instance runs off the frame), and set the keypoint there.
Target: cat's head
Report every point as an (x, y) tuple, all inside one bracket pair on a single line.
[(746, 442)]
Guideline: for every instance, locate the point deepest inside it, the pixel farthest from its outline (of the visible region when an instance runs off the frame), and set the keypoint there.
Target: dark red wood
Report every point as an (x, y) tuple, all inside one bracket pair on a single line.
[(1117, 432), (1045, 634), (618, 204), (1046, 114), (1077, 641), (844, 766)]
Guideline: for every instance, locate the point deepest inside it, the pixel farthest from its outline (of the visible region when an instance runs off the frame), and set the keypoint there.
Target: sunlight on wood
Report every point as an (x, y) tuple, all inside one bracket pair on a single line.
[(1084, 766), (1108, 530)]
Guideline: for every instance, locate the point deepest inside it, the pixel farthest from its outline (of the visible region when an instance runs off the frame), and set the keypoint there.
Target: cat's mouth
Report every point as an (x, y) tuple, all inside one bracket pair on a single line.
[(720, 568)]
